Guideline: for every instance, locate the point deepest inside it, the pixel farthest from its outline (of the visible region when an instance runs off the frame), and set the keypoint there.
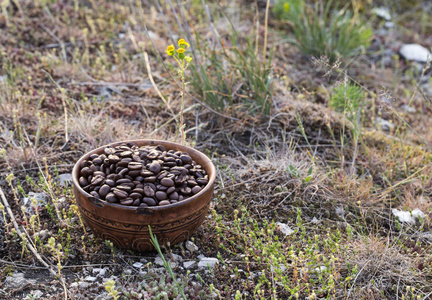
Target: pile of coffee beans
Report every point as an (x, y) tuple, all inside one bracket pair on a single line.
[(141, 176)]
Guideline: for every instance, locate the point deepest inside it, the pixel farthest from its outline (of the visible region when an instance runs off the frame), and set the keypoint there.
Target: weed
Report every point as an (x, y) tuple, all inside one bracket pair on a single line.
[(335, 35)]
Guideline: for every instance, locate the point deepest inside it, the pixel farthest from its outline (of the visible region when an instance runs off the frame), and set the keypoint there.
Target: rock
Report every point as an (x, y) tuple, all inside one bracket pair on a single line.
[(415, 52), (207, 262), (408, 217), (284, 228), (382, 12), (176, 257), (41, 200), (83, 285), (17, 281), (90, 279), (65, 179), (191, 246), (189, 264), (159, 261), (320, 269), (315, 221), (43, 235), (340, 211), (138, 265), (384, 125)]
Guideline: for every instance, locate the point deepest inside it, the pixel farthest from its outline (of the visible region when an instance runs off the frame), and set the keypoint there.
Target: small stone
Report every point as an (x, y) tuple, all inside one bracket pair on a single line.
[(138, 265), (17, 281), (415, 52), (191, 246), (189, 264), (206, 262), (284, 228), (65, 179), (90, 279)]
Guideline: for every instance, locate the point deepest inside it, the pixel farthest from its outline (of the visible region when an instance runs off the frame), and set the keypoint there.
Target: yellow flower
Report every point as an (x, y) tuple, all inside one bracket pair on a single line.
[(170, 50), (180, 52), (182, 43), (286, 6)]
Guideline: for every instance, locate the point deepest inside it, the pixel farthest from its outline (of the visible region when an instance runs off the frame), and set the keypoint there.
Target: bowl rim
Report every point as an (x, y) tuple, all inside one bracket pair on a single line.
[(210, 184)]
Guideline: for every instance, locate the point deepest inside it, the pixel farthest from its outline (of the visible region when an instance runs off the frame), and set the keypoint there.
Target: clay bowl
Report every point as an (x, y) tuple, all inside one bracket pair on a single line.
[(127, 227)]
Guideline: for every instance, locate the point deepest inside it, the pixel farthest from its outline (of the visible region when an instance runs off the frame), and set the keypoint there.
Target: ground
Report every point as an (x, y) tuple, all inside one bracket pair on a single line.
[(313, 199)]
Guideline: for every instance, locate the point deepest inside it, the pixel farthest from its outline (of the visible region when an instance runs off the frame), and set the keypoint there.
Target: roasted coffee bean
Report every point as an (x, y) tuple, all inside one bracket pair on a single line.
[(179, 162), (124, 187), (127, 153), (146, 173), (185, 190), (155, 167), (161, 187), (143, 205), (104, 190), (83, 181), (113, 158), (93, 156), (123, 180), (164, 202), (174, 196), (110, 182), (149, 201), (173, 201), (170, 164), (150, 179), (97, 161), (124, 162), (95, 194), (181, 198), (139, 185), (162, 174), (123, 172), (128, 177), (170, 190), (120, 194), (127, 201), (136, 157), (94, 168), (136, 202), (191, 183), (161, 195), (202, 181), (86, 172), (135, 195), (153, 155), (148, 191), (135, 166), (160, 148), (97, 180), (186, 159), (169, 159), (84, 164), (167, 182), (139, 178), (111, 198), (196, 189), (134, 173), (138, 190), (109, 151), (100, 173), (97, 188)]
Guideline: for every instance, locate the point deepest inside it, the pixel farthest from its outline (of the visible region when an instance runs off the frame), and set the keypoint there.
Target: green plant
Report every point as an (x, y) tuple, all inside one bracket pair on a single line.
[(56, 250), (183, 62), (333, 34), (288, 10), (233, 79), (110, 288)]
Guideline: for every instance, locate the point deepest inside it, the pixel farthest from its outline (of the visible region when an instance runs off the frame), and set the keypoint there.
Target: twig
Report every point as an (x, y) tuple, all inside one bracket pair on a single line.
[(29, 245), (216, 34)]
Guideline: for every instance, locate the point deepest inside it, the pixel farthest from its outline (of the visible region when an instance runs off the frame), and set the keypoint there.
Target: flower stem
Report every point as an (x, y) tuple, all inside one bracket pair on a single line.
[(182, 133)]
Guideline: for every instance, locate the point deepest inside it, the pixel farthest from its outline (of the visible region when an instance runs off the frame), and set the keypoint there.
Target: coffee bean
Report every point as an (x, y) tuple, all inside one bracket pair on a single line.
[(149, 201), (196, 189), (104, 190), (124, 162), (135, 195), (109, 151), (174, 196), (186, 159), (123, 172), (153, 155), (93, 156), (143, 205), (162, 174), (169, 159), (84, 164), (95, 194), (97, 180), (164, 202), (171, 164), (120, 194), (161, 187), (86, 172), (170, 190), (83, 181), (113, 158), (173, 201), (126, 153), (134, 173), (148, 191), (202, 181), (110, 182), (100, 173), (135, 166), (111, 198), (136, 202), (136, 157), (146, 173), (181, 198), (138, 190), (167, 182), (160, 148), (150, 179), (124, 187), (127, 201), (155, 167), (185, 190), (97, 161), (191, 183), (161, 195)]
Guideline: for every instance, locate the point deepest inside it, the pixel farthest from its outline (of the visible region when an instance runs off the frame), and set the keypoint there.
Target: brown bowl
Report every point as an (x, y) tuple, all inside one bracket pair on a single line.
[(127, 227)]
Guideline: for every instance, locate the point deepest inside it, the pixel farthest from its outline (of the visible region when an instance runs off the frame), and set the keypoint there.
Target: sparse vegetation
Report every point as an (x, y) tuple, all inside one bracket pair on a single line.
[(313, 156)]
